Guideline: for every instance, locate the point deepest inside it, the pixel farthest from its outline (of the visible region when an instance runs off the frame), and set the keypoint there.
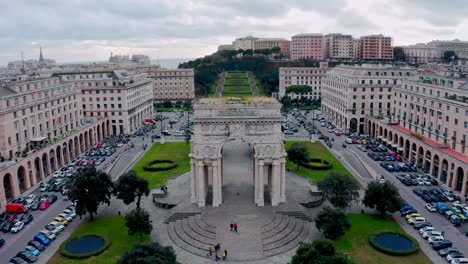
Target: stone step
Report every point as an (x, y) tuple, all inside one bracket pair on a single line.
[(200, 222), (201, 231), (291, 245), (278, 228), (182, 244), (293, 226), (189, 240), (179, 216), (198, 238), (276, 220), (296, 214)]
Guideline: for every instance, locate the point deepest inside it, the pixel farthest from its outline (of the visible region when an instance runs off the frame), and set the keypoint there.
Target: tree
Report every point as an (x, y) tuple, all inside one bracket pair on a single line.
[(148, 253), (320, 251), (299, 89), (332, 222), (90, 188), (187, 105), (167, 104), (450, 55), (399, 54), (276, 50), (298, 154), (129, 187), (339, 189), (384, 197), (138, 222)]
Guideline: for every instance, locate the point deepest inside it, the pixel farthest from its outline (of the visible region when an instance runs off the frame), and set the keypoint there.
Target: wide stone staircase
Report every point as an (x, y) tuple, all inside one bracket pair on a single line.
[(190, 232), (285, 232)]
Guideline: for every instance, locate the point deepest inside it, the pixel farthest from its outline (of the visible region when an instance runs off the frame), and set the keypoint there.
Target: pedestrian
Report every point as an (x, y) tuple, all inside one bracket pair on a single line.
[(216, 257), (217, 248), (210, 252), (235, 227), (443, 232), (224, 255), (231, 226)]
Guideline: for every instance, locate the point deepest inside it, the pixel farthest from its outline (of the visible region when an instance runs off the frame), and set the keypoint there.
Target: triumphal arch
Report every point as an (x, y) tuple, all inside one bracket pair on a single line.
[(255, 120)]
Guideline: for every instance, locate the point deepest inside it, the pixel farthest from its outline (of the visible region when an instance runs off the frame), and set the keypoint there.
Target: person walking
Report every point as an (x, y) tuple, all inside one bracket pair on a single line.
[(217, 248), (210, 252), (231, 226), (235, 227), (224, 255)]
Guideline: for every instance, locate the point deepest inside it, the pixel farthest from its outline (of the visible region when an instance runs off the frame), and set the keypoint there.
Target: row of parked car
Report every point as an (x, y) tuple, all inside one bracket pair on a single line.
[(45, 237), (416, 180), (435, 238)]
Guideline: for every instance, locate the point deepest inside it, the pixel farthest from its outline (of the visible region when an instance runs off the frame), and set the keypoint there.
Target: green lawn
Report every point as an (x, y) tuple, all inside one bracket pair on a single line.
[(175, 151), (236, 75), (237, 94), (113, 227), (236, 89), (355, 243), (236, 82), (316, 150)]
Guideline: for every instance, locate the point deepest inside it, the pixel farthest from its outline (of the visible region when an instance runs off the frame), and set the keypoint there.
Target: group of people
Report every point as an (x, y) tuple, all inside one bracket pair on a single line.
[(217, 249), (233, 226)]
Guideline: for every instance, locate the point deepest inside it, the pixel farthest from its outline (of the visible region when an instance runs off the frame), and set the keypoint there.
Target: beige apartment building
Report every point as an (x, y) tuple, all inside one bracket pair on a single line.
[(375, 47), (429, 126), (268, 43), (244, 43), (41, 129), (350, 93), (124, 97), (311, 76), (171, 85), (340, 46), (422, 53)]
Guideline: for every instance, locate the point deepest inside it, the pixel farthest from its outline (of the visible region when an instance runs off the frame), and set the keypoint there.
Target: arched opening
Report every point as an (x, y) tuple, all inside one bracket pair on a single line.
[(373, 130), (435, 166), (64, 153), (8, 186), (59, 157), (37, 169), (81, 143), (77, 148), (413, 154), (369, 128), (407, 149), (460, 179), (390, 137), (22, 178), (99, 136), (353, 125), (70, 149), (45, 165), (427, 162), (420, 159), (86, 138), (53, 165), (380, 131), (385, 134), (445, 168)]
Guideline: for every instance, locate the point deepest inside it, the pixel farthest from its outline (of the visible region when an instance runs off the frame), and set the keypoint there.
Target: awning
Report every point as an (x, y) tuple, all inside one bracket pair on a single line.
[(400, 149), (38, 139)]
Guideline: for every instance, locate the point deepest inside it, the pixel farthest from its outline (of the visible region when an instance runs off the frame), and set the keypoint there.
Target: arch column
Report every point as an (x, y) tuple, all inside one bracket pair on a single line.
[(465, 180), (260, 185), (33, 178), (15, 190), (217, 185), (3, 200), (283, 180), (27, 180), (41, 169), (193, 182), (201, 183), (275, 183)]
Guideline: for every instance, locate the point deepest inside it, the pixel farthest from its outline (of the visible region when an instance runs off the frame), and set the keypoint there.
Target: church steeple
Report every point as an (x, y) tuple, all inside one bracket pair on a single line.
[(41, 58)]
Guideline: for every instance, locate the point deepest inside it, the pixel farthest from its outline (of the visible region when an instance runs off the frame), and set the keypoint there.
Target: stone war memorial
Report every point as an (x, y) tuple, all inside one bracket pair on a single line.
[(252, 120)]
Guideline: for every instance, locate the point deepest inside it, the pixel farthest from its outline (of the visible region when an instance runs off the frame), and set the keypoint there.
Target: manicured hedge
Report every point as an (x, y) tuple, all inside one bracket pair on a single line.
[(324, 164), (391, 251), (149, 165), (67, 254)]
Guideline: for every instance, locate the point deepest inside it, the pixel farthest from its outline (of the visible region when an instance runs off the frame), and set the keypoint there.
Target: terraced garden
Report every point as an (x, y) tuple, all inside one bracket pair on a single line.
[(236, 84)]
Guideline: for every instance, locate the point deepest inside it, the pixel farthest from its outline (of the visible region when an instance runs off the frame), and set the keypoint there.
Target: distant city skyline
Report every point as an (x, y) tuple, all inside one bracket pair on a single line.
[(90, 31)]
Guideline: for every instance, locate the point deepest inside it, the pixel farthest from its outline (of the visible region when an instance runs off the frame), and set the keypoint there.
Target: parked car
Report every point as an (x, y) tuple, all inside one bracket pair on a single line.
[(27, 256), (44, 205), (454, 255), (37, 245), (16, 208), (415, 220), (17, 260), (431, 207), (438, 245), (17, 226), (42, 239), (32, 250)]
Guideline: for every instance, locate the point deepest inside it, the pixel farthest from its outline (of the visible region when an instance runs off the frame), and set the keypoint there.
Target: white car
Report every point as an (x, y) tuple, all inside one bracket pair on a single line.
[(425, 229), (56, 225), (420, 181), (48, 233), (418, 219), (428, 234), (458, 204), (43, 188), (17, 227), (31, 197), (453, 256), (433, 239), (460, 261), (66, 217), (427, 183), (70, 213), (431, 207)]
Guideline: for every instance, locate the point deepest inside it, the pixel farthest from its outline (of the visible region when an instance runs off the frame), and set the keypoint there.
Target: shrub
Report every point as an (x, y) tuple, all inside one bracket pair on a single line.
[(391, 251), (317, 164), (98, 251), (149, 165), (417, 136)]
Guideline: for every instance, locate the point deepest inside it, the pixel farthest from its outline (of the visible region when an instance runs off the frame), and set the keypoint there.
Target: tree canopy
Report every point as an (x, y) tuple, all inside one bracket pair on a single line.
[(320, 251), (299, 89), (339, 189), (298, 154), (399, 54), (384, 197), (130, 187), (450, 55), (332, 222), (138, 222), (90, 188), (148, 253)]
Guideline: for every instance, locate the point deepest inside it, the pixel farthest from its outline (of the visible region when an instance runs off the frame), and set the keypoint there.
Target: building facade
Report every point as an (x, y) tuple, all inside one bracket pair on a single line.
[(459, 47), (430, 127), (341, 47), (422, 53), (127, 99), (173, 85), (375, 47), (268, 43), (311, 76), (41, 129), (350, 93), (244, 43), (226, 47), (312, 46)]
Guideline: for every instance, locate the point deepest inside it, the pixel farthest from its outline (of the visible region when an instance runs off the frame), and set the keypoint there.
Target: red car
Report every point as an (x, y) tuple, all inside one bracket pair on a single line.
[(99, 145), (44, 205), (79, 163), (337, 134), (91, 163), (11, 217)]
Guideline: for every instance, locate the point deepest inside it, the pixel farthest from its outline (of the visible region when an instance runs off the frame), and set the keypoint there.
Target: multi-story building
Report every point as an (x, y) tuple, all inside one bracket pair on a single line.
[(226, 47), (141, 59), (312, 46), (375, 47), (268, 43), (127, 99), (429, 127), (350, 93), (171, 85), (311, 76), (422, 53), (244, 43), (341, 47), (459, 47), (41, 129)]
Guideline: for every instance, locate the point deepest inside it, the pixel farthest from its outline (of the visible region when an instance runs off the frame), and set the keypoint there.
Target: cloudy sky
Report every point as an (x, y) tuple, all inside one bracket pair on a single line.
[(89, 30)]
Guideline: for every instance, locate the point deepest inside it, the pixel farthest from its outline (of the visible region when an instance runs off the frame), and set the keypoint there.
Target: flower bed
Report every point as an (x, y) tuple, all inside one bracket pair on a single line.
[(317, 164), (150, 166)]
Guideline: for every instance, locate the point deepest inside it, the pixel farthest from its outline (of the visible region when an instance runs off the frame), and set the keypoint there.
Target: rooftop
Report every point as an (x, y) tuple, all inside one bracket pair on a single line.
[(239, 100), (271, 39)]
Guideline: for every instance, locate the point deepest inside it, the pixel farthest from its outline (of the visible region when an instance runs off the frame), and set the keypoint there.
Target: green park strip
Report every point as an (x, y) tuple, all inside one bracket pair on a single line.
[(175, 151), (355, 242), (236, 82), (112, 227), (316, 151), (236, 94), (236, 89), (236, 75)]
